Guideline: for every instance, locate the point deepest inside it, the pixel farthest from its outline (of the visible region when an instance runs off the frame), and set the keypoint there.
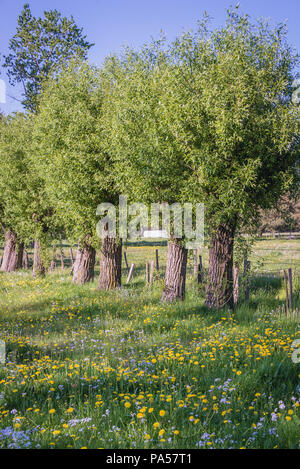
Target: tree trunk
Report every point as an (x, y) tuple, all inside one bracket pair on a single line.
[(38, 265), (25, 259), (175, 272), (19, 259), (219, 292), (110, 263), (13, 253), (84, 265)]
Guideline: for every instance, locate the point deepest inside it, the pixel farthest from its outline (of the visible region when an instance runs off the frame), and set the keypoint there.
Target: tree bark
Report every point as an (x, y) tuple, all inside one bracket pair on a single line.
[(175, 272), (25, 259), (19, 259), (219, 292), (38, 265), (84, 265), (13, 252), (110, 263)]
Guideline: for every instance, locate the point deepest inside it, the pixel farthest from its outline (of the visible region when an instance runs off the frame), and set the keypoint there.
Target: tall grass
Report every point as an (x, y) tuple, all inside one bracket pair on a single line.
[(120, 369)]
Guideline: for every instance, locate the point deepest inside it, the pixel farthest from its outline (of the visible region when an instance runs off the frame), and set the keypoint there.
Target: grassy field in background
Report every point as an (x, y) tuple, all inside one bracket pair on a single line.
[(120, 369)]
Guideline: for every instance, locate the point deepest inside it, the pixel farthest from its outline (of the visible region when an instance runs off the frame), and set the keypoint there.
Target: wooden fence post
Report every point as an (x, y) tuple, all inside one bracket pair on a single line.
[(130, 273), (147, 273), (53, 262), (126, 262), (156, 257), (152, 272), (25, 259), (62, 263), (246, 276), (286, 292), (72, 257), (290, 277), (195, 261), (200, 271), (235, 283)]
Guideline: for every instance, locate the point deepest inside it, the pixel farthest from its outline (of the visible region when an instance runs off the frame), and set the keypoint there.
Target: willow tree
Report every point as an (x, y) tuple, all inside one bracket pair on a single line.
[(217, 108), (238, 129), (13, 196), (70, 157), (148, 162), (24, 210)]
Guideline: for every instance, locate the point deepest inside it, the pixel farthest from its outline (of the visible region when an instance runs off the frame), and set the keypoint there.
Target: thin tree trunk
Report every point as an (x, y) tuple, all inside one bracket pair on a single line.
[(110, 263), (38, 265), (84, 265), (175, 272), (219, 292), (13, 252)]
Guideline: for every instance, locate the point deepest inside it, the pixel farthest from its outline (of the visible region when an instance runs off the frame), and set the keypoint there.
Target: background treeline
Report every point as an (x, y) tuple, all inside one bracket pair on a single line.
[(285, 217), (208, 118)]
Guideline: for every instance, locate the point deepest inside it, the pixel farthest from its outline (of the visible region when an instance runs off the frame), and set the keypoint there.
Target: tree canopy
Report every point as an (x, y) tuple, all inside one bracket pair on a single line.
[(16, 198), (40, 46), (214, 107), (69, 152), (24, 205)]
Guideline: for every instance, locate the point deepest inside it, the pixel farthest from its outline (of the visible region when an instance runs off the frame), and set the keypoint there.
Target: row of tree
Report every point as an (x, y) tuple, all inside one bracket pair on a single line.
[(207, 118)]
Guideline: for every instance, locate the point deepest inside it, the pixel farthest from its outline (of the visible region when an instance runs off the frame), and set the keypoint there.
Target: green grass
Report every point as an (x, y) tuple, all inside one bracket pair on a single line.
[(191, 377)]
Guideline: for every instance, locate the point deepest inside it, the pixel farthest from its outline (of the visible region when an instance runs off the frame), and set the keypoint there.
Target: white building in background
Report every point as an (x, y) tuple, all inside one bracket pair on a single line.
[(154, 234)]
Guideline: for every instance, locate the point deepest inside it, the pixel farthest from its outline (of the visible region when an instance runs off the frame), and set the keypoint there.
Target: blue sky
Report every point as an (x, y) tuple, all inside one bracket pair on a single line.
[(113, 23)]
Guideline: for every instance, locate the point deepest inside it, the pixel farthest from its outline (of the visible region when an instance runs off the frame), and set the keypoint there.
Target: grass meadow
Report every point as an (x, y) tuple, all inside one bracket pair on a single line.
[(120, 369)]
